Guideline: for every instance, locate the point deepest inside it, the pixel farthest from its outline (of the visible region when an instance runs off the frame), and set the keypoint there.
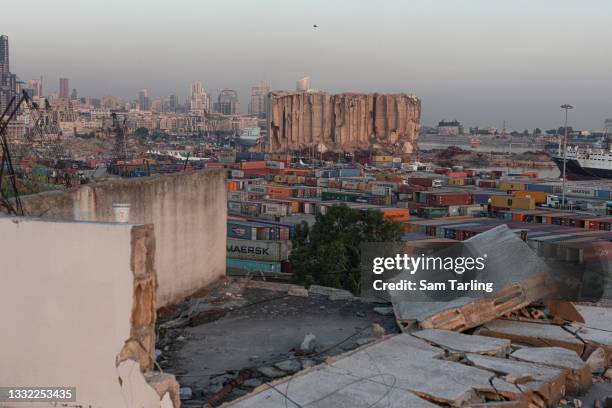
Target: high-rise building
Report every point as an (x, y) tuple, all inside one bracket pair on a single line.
[(8, 81), (143, 100), (63, 88), (257, 106), (227, 102), (74, 94), (199, 101)]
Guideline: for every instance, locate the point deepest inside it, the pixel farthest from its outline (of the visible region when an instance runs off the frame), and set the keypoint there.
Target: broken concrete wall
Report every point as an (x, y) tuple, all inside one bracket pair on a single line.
[(188, 211), (77, 302), (343, 122)]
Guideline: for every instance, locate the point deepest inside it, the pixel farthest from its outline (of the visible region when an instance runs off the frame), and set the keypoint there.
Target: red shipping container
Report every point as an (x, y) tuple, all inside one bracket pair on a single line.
[(447, 199), (486, 183), (214, 164), (421, 181)]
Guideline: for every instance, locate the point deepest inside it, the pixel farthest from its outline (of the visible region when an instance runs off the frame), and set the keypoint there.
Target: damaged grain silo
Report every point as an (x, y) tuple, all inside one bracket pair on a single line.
[(342, 122)]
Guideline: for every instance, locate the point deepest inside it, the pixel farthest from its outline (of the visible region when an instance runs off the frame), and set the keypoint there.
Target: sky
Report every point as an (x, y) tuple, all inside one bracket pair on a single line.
[(482, 62)]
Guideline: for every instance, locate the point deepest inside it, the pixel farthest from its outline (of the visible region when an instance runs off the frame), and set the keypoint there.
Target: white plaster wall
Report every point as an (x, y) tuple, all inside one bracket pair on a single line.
[(188, 211), (65, 304)]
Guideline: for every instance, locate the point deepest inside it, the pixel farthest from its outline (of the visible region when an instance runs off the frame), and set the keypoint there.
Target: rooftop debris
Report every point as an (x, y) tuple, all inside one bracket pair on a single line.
[(514, 361)]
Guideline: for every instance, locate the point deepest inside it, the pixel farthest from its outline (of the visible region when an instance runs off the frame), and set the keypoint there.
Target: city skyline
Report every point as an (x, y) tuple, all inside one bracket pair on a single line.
[(509, 61)]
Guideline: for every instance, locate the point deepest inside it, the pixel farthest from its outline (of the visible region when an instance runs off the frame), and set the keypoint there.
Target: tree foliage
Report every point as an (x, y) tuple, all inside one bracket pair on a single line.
[(328, 253)]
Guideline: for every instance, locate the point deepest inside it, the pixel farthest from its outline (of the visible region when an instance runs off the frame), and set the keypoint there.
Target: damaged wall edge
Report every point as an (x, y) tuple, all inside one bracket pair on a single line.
[(94, 306)]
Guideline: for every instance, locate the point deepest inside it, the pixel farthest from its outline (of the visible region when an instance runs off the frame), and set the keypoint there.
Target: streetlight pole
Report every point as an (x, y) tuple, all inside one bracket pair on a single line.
[(567, 107)]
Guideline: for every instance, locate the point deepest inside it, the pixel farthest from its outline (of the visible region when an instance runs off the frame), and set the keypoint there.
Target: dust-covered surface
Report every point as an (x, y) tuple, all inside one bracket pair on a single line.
[(254, 335)]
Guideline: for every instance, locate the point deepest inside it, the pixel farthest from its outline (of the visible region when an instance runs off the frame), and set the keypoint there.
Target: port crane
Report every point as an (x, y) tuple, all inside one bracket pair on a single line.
[(37, 137)]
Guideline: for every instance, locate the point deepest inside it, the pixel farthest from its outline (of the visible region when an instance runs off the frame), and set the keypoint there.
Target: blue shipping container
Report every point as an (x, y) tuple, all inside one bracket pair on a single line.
[(481, 198), (253, 266), (605, 194), (543, 188)]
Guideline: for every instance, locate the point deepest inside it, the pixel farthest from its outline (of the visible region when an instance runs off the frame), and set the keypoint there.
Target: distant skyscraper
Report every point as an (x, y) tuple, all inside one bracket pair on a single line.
[(8, 81), (258, 98), (172, 103), (199, 101), (63, 88), (74, 94), (143, 100), (227, 102)]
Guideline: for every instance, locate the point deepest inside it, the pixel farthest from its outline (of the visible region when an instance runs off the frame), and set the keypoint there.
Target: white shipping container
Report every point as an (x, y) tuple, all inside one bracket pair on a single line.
[(582, 191), (237, 174), (275, 165), (274, 209)]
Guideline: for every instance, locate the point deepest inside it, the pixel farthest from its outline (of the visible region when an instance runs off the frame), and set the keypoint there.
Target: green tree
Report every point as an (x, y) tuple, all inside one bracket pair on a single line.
[(142, 132), (329, 253)]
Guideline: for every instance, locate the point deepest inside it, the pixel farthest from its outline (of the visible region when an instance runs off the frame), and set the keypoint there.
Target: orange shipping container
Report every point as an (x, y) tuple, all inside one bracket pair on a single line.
[(253, 165), (457, 174), (278, 191), (396, 214), (539, 196), (232, 186)]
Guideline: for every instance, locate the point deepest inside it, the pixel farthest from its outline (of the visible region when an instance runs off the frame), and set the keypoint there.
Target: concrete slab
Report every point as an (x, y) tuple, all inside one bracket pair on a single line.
[(400, 367), (579, 378), (596, 317), (451, 340), (546, 381), (533, 334)]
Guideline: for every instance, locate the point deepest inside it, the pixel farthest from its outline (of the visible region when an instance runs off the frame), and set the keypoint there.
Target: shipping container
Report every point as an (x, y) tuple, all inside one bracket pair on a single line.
[(456, 182), (544, 188), (486, 183), (241, 230), (234, 207), (509, 201), (257, 188), (279, 191), (349, 173), (380, 158), (248, 165), (275, 209), (582, 191), (275, 164), (511, 185), (538, 196), (339, 196), (396, 214), (237, 174), (247, 265), (258, 250), (604, 194), (457, 174), (445, 199)]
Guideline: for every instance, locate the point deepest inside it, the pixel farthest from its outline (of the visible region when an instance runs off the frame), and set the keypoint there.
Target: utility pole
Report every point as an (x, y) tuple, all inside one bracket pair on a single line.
[(567, 107)]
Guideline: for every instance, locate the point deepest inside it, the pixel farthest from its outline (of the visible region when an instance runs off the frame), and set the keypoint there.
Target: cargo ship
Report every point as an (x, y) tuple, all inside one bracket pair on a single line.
[(586, 163)]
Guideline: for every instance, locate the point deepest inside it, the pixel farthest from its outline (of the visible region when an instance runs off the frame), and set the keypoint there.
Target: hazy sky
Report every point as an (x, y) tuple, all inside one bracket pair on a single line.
[(479, 61)]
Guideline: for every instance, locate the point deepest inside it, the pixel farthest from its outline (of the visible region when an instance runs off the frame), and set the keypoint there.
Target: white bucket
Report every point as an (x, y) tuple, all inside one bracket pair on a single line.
[(122, 212)]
